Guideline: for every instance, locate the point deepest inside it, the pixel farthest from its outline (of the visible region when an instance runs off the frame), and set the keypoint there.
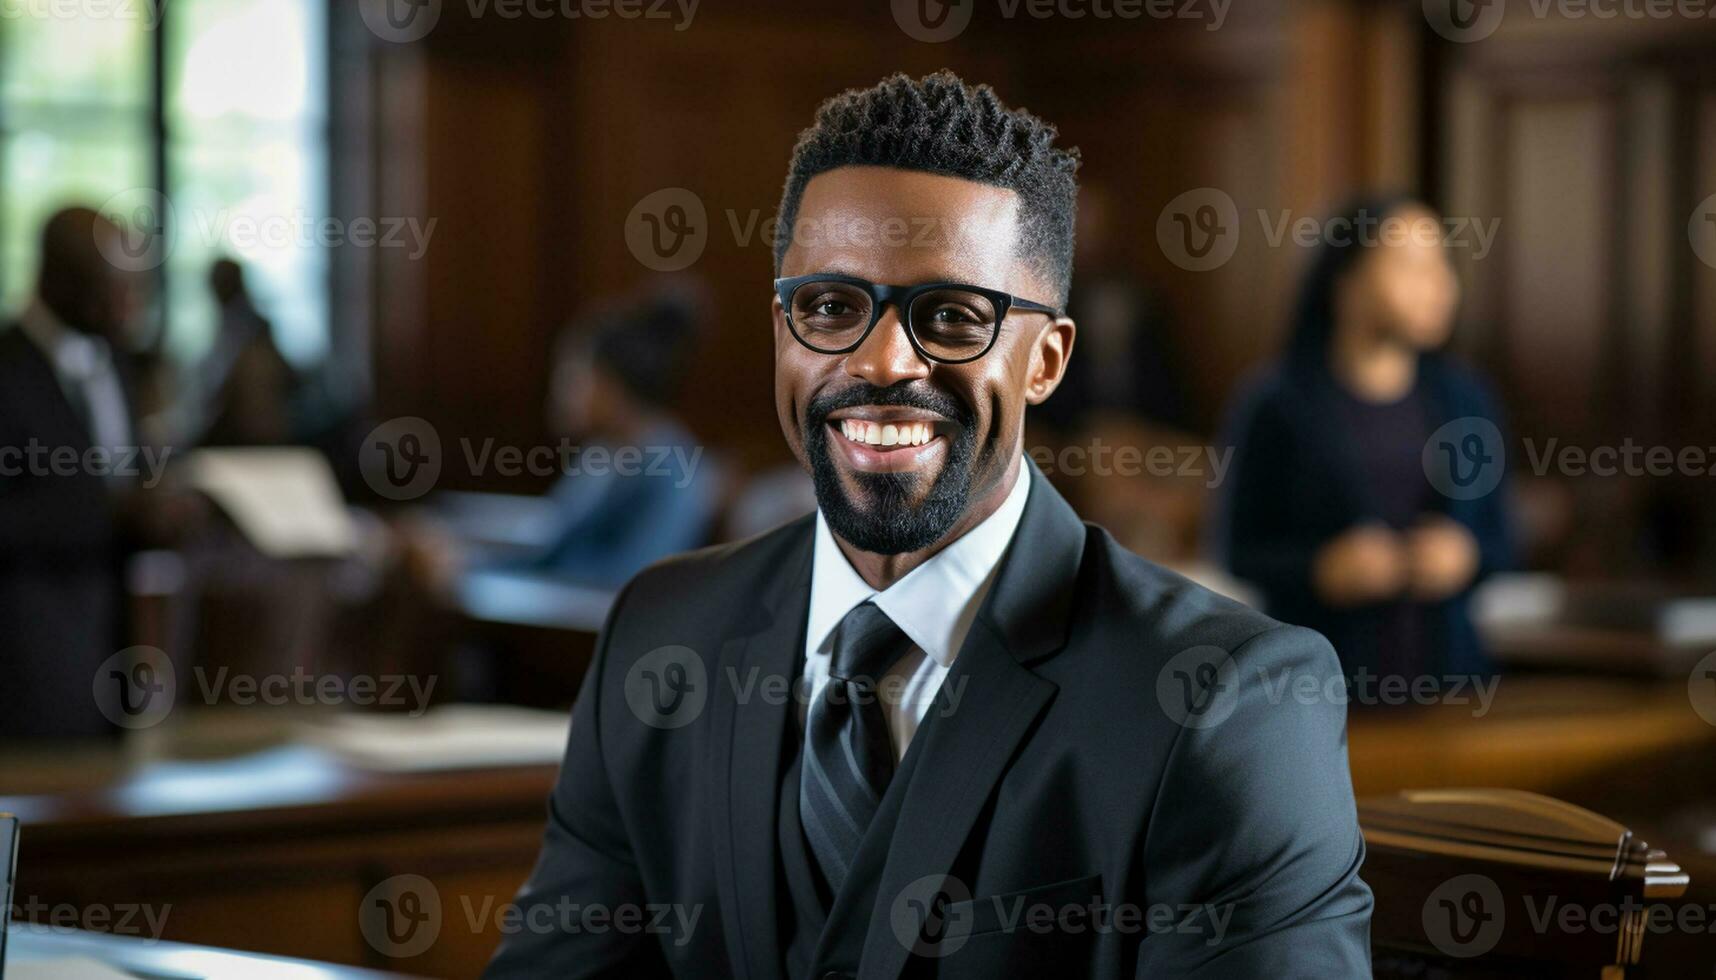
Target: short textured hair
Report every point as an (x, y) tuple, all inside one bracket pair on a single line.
[(941, 125)]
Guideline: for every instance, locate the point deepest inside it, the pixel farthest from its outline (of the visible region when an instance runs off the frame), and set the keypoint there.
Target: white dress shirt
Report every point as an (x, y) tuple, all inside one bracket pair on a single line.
[(934, 605), (84, 367)]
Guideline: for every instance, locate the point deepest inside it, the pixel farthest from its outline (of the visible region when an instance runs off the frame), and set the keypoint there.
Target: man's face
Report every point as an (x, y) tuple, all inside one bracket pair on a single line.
[(900, 227)]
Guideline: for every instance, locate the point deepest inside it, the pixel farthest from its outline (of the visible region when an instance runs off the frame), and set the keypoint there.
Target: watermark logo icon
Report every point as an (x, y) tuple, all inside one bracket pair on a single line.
[(1199, 687), (136, 687), (401, 916), (144, 217), (1465, 21), (1464, 916), (1702, 231), (400, 21), (401, 458), (667, 230), (1465, 458), (933, 21), (1199, 230), (1701, 688), (932, 916), (668, 687)]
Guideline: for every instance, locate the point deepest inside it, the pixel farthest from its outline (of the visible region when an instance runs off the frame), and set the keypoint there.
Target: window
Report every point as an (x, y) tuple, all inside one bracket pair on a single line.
[(236, 132)]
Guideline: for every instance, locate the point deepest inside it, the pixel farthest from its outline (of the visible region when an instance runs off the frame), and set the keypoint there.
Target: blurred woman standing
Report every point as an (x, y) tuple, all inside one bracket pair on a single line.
[(1330, 508)]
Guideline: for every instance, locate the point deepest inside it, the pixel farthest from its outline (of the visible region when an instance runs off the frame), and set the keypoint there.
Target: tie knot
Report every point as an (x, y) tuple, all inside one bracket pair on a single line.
[(866, 643)]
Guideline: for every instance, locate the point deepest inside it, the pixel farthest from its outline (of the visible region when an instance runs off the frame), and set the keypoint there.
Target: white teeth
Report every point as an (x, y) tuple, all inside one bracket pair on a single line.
[(891, 434)]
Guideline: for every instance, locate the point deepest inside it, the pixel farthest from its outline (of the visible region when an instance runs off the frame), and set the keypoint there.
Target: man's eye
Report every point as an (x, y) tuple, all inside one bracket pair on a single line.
[(953, 316), (830, 307)]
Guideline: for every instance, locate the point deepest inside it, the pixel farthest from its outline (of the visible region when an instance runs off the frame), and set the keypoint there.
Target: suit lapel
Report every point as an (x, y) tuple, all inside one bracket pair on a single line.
[(964, 747), (748, 728)]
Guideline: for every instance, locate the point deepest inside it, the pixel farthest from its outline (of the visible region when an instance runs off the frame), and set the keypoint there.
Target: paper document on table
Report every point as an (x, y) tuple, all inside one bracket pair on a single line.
[(65, 968), (455, 736), (284, 500)]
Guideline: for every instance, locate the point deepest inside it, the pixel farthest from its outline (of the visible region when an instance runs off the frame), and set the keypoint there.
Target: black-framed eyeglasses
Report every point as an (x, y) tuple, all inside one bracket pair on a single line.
[(947, 322)]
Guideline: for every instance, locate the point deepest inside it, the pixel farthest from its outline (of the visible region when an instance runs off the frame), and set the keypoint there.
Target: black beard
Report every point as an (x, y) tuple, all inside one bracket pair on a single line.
[(886, 522)]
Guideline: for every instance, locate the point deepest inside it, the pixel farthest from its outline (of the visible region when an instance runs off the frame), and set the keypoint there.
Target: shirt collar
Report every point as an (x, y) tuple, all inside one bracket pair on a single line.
[(935, 604), (73, 355)]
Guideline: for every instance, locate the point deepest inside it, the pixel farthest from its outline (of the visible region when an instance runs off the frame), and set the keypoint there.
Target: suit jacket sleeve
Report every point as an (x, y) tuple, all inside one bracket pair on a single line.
[(586, 861), (1255, 823)]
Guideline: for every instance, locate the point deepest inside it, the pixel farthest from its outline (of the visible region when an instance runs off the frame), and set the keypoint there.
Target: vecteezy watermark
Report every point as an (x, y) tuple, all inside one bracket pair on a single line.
[(669, 922), (401, 916), (934, 916), (1200, 230), (150, 228), (1701, 688), (668, 230), (146, 464), (935, 21), (405, 914), (669, 688), (300, 687), (1629, 458), (401, 459), (1465, 458), (1701, 230), (34, 916), (1207, 464), (1200, 688), (1464, 916), (1467, 915), (138, 688), (1466, 21), (1371, 690), (146, 12), (404, 21)]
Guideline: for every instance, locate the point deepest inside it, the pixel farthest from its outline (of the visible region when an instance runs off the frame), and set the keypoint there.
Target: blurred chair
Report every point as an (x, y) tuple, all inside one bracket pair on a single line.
[(1474, 883)]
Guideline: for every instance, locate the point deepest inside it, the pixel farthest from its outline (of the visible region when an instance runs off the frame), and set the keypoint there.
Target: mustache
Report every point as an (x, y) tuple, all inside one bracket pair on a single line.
[(916, 395)]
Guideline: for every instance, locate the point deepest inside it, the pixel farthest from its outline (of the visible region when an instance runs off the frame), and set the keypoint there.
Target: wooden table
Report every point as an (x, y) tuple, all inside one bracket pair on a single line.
[(275, 849)]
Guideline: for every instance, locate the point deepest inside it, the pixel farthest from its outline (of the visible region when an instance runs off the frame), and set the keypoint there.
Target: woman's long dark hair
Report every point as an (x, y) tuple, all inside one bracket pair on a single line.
[(1313, 325)]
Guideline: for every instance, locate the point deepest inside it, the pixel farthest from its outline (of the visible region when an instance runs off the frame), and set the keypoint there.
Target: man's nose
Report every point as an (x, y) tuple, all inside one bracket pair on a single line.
[(886, 356)]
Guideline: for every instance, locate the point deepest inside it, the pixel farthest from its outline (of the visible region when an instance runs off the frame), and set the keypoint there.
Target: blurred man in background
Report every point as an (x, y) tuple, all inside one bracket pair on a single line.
[(69, 482), (244, 384), (639, 488)]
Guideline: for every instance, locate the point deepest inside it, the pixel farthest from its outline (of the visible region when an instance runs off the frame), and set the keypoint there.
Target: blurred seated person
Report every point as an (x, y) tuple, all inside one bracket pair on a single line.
[(244, 384), (76, 491), (1330, 510), (639, 487)]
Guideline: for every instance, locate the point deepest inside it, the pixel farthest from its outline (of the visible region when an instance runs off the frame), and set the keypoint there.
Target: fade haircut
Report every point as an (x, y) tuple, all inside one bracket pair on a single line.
[(941, 125)]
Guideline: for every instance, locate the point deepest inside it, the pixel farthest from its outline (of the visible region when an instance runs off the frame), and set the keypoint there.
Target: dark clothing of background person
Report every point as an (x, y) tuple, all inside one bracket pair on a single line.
[(1309, 464), (62, 551)]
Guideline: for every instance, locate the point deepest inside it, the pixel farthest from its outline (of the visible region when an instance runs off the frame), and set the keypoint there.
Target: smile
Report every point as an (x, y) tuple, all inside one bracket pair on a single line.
[(876, 440)]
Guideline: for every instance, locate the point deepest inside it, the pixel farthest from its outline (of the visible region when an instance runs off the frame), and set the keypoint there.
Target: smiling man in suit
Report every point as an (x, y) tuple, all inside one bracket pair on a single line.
[(942, 726)]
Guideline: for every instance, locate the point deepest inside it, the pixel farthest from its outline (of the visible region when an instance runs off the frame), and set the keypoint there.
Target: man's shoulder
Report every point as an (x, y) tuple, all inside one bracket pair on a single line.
[(1139, 615), (709, 580)]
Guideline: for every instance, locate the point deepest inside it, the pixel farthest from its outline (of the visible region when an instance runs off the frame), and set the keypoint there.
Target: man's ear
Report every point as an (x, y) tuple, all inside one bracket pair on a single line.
[(1049, 356)]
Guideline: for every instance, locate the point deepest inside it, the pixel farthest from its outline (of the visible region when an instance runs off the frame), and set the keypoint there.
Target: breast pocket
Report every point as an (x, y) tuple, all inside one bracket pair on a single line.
[(1051, 929)]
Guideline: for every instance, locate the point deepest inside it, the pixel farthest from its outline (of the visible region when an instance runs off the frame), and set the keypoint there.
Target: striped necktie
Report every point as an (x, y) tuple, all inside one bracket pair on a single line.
[(849, 754)]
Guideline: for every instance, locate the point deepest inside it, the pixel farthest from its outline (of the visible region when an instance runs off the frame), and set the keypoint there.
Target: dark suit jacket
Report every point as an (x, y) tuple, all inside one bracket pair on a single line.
[(1062, 776), (60, 558)]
